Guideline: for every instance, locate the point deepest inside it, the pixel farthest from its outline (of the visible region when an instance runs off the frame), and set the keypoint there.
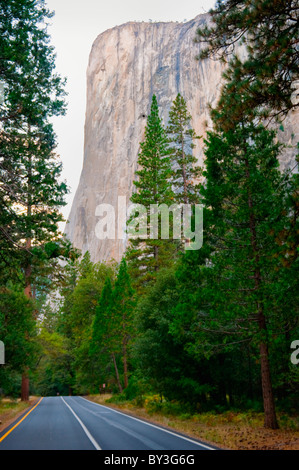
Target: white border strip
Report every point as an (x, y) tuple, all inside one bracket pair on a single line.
[(92, 440), (152, 425)]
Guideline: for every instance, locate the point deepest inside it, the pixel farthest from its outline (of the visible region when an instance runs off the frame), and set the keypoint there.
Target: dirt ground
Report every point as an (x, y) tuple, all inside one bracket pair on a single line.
[(12, 410)]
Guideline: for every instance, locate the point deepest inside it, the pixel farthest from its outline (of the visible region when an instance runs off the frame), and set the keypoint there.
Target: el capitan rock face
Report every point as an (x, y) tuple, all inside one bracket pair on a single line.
[(127, 65)]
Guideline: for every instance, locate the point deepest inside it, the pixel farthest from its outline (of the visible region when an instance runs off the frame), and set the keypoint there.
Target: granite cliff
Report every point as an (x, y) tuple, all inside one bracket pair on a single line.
[(127, 65)]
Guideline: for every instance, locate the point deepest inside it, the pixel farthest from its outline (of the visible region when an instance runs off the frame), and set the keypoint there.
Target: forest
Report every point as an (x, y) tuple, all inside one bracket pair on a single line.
[(201, 329)]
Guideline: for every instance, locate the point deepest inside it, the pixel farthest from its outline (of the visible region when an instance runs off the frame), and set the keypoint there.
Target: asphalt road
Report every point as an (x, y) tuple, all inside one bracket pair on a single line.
[(74, 423)]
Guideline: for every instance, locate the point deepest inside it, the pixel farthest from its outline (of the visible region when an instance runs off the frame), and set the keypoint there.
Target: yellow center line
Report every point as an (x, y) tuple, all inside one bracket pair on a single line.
[(19, 422)]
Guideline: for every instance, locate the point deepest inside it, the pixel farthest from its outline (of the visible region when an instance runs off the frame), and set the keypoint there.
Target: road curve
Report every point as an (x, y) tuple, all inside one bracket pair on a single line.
[(74, 423)]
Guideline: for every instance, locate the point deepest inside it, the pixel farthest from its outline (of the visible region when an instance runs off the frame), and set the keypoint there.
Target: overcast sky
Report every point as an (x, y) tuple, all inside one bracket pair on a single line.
[(73, 29)]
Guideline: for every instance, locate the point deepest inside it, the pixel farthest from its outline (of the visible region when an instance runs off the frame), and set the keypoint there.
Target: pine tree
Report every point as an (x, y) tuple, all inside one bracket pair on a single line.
[(237, 295), (112, 328), (146, 253), (262, 83), (35, 196), (105, 340), (30, 192), (78, 310), (32, 93), (39, 196), (122, 311), (184, 178), (18, 332), (30, 87), (255, 263), (153, 161), (246, 195)]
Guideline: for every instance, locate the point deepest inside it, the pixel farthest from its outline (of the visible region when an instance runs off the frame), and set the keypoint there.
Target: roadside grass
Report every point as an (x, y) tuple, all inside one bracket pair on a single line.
[(11, 409), (232, 430)]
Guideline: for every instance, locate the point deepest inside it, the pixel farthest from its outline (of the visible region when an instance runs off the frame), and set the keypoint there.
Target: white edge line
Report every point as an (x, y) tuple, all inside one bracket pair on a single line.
[(93, 441), (152, 425)]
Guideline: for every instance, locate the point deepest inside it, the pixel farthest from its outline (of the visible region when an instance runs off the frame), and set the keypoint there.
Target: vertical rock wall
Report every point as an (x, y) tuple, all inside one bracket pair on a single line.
[(127, 65)]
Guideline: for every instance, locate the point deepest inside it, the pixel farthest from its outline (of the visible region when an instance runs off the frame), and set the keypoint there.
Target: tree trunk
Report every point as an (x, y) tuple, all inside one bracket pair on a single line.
[(27, 270), (28, 293), (126, 382), (184, 168), (27, 290), (116, 373), (270, 420), (25, 387), (156, 254)]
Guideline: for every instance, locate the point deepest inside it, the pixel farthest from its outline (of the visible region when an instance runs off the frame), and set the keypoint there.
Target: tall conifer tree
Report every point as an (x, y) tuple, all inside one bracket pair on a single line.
[(245, 196), (105, 341), (30, 192), (122, 311), (181, 136), (147, 254)]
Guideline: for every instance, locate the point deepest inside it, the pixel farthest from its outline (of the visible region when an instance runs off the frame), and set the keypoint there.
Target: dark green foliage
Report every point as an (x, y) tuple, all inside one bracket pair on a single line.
[(31, 89), (154, 163), (262, 83), (167, 355), (253, 207), (233, 302), (197, 330), (185, 172), (147, 254), (31, 194), (112, 329), (122, 312), (76, 319), (102, 340), (160, 358), (100, 335), (18, 333), (247, 195)]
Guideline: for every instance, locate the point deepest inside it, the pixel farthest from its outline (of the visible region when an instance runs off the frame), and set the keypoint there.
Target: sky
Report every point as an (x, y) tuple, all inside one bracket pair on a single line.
[(73, 29)]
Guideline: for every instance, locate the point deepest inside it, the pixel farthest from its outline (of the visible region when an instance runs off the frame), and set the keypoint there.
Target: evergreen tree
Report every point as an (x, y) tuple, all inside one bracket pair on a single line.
[(37, 197), (30, 192), (153, 162), (146, 253), (30, 87), (246, 196), (184, 178), (18, 332), (112, 329), (122, 312), (255, 263), (160, 356), (32, 93), (104, 345), (76, 318), (261, 84)]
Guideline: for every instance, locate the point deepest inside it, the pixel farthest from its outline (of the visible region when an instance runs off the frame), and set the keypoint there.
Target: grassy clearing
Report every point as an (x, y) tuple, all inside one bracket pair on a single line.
[(11, 409), (228, 430)]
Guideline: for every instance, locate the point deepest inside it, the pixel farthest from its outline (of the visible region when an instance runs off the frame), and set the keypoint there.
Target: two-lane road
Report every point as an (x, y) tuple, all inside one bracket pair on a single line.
[(74, 423)]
